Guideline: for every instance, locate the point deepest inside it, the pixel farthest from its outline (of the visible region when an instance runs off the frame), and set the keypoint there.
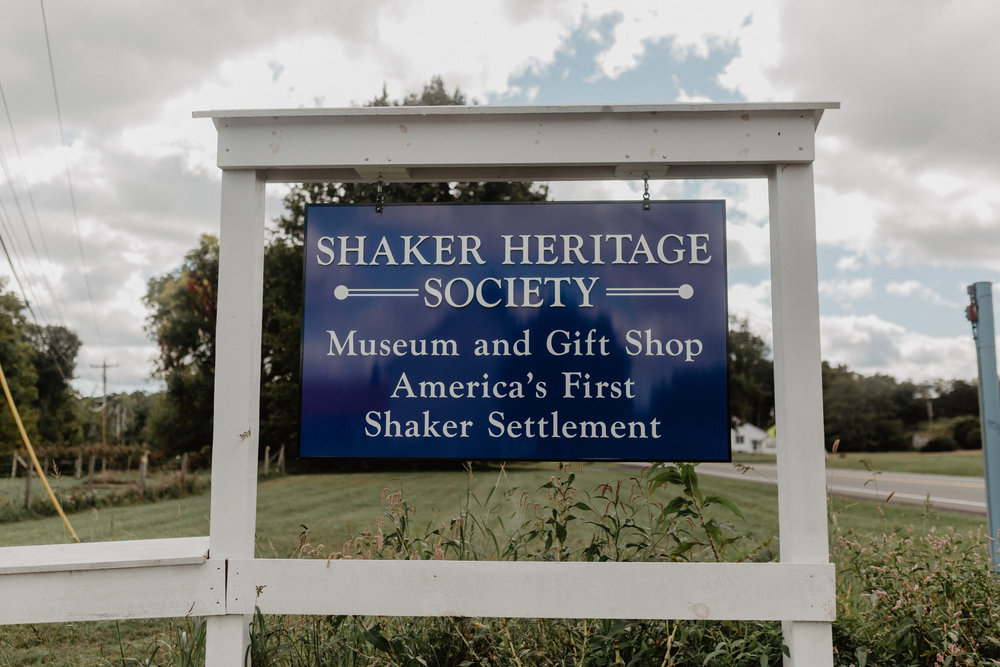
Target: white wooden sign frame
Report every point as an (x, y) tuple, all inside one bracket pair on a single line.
[(219, 577)]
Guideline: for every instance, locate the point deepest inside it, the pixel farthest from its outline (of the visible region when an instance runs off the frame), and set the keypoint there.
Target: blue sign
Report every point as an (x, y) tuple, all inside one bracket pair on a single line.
[(555, 331)]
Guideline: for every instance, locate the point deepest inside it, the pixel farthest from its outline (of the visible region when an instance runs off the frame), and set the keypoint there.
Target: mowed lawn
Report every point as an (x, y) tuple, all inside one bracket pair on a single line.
[(335, 507), (968, 463), (317, 514)]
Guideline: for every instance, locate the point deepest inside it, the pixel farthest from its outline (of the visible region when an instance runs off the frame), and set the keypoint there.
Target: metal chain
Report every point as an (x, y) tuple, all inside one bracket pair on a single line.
[(379, 198), (645, 191)]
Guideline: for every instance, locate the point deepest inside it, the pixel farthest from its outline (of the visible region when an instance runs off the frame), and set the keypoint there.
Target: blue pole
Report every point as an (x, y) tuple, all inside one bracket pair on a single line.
[(980, 313)]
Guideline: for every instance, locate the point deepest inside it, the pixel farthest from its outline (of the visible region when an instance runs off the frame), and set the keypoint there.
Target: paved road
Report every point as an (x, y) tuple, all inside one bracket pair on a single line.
[(945, 492)]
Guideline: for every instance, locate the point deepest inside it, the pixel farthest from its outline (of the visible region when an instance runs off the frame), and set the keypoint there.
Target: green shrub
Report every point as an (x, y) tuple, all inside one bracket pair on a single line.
[(940, 443), (967, 432), (78, 497), (906, 600)]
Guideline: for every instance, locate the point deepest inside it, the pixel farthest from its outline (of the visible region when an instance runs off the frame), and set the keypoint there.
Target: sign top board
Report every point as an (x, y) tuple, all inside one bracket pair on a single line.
[(554, 331)]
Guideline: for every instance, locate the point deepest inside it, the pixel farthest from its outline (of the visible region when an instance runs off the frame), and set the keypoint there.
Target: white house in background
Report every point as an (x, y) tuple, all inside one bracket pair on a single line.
[(747, 438)]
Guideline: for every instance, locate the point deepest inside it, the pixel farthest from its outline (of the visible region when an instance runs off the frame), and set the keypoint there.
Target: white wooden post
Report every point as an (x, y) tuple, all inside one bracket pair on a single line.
[(237, 394), (798, 401)]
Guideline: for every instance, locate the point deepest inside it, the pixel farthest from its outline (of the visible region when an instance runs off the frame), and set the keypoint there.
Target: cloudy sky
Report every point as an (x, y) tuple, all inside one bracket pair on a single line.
[(908, 183)]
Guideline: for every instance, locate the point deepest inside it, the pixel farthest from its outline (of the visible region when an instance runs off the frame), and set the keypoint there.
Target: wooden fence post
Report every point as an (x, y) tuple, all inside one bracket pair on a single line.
[(30, 472), (281, 460), (90, 472), (13, 465), (79, 465), (267, 459), (184, 468), (143, 468)]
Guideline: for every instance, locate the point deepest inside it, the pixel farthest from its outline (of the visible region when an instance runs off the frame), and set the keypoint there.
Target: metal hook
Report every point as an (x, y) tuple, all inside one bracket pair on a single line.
[(379, 198), (645, 191)]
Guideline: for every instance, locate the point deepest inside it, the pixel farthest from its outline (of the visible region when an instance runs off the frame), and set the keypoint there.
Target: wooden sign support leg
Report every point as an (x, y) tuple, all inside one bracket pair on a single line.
[(237, 394), (798, 392)]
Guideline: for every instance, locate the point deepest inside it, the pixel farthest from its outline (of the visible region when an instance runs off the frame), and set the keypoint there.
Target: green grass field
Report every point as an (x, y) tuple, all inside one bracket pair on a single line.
[(967, 463), (336, 507)]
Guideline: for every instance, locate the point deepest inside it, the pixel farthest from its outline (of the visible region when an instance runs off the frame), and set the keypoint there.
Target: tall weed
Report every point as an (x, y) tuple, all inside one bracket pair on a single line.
[(906, 599), (903, 599), (659, 515)]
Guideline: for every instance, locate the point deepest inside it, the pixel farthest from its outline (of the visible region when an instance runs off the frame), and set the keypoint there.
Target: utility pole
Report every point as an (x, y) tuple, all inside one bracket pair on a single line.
[(980, 313), (104, 408)]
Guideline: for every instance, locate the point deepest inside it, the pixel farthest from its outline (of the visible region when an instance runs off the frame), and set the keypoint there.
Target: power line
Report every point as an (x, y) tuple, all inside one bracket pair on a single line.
[(69, 178), (55, 297), (14, 251), (51, 349)]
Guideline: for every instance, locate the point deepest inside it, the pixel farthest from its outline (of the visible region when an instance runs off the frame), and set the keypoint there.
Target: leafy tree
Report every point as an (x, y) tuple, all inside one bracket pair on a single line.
[(18, 359), (56, 348), (861, 411), (128, 417), (910, 404), (182, 303), (956, 398), (132, 413), (751, 376), (182, 321)]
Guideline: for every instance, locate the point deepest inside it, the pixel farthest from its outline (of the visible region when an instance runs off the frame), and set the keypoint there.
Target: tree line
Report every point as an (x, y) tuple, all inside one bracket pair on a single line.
[(38, 363), (861, 413)]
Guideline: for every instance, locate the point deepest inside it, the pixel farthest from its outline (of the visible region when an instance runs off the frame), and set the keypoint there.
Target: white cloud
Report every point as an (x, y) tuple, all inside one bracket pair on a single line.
[(143, 169), (914, 289), (846, 291), (695, 28), (905, 288), (750, 73), (906, 173), (849, 263), (868, 345), (748, 245), (752, 302)]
